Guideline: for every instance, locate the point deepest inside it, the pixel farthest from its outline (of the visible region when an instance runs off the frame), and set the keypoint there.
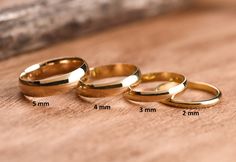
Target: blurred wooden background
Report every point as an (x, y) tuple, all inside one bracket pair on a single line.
[(199, 42), (35, 24)]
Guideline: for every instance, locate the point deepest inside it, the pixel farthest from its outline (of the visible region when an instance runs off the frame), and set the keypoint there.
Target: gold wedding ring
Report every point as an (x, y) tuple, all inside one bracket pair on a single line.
[(156, 95), (131, 73), (196, 104), (52, 77)]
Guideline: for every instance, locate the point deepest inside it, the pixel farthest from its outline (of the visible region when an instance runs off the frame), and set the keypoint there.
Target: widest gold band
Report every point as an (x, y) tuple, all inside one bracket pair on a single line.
[(197, 104), (52, 77), (131, 73), (152, 96)]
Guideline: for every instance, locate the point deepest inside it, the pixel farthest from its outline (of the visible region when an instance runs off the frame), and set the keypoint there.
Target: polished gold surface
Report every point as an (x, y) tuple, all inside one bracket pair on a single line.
[(130, 73), (52, 77), (157, 95), (197, 104)]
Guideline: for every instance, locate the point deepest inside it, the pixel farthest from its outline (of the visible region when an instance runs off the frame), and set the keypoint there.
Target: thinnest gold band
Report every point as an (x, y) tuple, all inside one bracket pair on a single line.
[(196, 104)]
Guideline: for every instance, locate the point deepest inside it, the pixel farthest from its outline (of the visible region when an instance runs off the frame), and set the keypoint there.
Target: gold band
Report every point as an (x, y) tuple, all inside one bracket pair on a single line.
[(197, 104), (88, 89), (52, 77), (150, 96)]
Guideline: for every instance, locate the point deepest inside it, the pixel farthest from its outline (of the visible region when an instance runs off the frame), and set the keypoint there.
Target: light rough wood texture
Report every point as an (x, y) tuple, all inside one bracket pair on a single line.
[(198, 43), (39, 23)]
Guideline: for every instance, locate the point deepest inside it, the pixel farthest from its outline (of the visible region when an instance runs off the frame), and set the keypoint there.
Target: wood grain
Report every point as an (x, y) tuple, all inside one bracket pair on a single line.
[(39, 23), (198, 43)]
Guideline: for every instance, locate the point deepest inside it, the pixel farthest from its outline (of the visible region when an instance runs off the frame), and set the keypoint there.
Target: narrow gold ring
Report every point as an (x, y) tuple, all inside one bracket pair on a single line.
[(52, 77), (131, 73), (155, 95), (196, 104)]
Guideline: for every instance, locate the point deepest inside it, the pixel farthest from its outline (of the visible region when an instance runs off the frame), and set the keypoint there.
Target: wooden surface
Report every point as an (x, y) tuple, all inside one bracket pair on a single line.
[(39, 23), (199, 43)]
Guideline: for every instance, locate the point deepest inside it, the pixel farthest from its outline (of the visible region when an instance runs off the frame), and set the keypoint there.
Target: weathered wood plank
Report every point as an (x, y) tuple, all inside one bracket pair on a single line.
[(40, 23)]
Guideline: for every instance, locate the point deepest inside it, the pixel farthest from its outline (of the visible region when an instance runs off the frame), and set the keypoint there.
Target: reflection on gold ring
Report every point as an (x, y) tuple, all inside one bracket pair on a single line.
[(52, 77)]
